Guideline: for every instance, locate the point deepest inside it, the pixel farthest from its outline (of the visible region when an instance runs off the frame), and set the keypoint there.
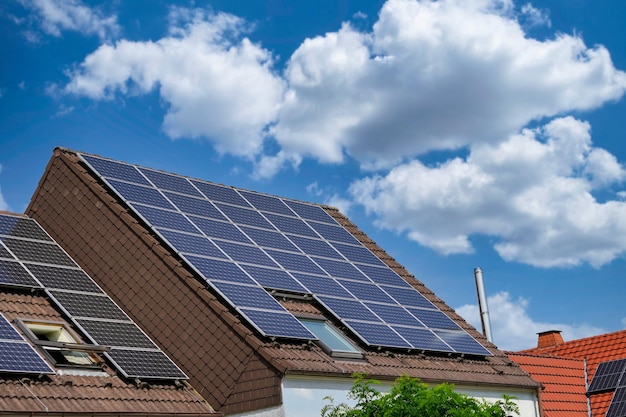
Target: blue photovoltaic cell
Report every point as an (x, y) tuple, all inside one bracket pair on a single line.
[(358, 254), (321, 285), (422, 339), (348, 309), (309, 212), (140, 194), (145, 364), (196, 206), (618, 404), (273, 278), (291, 225), (185, 243), (21, 227), (63, 278), (365, 291), (393, 314), (294, 262), (213, 269), (247, 296), (7, 332), (378, 334), (338, 269), (462, 342), (269, 239), (218, 193), (408, 297), (13, 273), (266, 203), (434, 319), (383, 276), (334, 233), (89, 305), (48, 253), (170, 182), (219, 230), (21, 357), (164, 218), (117, 170), (245, 253), (315, 247), (607, 376), (244, 216), (277, 324)]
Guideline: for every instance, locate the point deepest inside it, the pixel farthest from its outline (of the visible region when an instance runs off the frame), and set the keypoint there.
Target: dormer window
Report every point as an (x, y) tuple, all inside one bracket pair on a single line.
[(62, 346), (331, 340)]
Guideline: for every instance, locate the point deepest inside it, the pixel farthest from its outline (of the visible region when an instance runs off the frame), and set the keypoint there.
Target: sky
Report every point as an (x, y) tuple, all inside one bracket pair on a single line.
[(455, 133)]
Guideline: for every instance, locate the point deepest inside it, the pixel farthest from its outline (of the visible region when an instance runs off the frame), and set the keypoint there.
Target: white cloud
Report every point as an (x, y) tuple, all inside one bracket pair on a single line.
[(513, 329), (532, 193), (3, 204), (434, 75), (217, 84), (535, 17), (55, 16)]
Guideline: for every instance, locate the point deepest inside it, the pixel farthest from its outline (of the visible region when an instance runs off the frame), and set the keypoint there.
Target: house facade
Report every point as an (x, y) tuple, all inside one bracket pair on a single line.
[(264, 302)]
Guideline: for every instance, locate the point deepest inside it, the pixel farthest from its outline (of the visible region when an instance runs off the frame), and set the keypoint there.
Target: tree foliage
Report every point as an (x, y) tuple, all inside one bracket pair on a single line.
[(409, 397)]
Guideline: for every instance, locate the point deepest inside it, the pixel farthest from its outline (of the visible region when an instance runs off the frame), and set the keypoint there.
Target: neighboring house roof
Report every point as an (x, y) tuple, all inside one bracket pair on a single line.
[(227, 360), (563, 380), (591, 350), (71, 390)]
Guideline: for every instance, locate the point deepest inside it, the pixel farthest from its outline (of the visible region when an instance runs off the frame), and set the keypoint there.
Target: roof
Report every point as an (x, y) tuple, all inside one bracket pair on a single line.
[(227, 360), (563, 380), (105, 392), (592, 351)]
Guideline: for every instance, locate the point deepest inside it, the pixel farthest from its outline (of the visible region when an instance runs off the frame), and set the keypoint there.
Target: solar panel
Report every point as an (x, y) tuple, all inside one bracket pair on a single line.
[(165, 218), (285, 245), (244, 216), (277, 324), (310, 212), (88, 305), (618, 404), (145, 364), (22, 227), (274, 279), (607, 376), (266, 203), (196, 206), (31, 251), (141, 194), (170, 182), (219, 193), (76, 294), (13, 273), (4, 253), (16, 355)]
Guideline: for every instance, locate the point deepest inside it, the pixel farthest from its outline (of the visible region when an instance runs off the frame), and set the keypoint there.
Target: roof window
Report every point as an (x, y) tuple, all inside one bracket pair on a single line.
[(331, 340)]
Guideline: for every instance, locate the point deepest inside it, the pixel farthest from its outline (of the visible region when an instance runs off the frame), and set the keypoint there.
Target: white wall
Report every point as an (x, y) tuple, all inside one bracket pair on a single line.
[(304, 396)]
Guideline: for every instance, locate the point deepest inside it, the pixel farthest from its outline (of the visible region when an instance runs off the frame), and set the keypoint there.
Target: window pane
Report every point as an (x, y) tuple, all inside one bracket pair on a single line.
[(331, 338)]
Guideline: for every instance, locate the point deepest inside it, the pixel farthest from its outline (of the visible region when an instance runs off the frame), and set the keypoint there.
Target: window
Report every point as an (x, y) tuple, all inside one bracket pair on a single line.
[(60, 344), (331, 340)]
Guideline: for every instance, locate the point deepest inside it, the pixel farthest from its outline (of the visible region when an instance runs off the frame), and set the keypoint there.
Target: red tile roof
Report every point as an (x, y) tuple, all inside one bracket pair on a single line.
[(563, 380), (594, 350)]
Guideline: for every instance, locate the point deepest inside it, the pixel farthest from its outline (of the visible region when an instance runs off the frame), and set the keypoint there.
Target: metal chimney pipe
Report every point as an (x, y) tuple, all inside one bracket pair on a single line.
[(482, 304)]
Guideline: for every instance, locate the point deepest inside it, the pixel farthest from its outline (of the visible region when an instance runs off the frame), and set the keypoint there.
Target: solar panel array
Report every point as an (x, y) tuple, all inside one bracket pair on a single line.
[(244, 244), (30, 258), (610, 376)]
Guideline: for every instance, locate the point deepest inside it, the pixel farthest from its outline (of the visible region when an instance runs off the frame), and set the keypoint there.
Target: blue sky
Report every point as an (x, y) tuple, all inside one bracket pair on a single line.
[(455, 133)]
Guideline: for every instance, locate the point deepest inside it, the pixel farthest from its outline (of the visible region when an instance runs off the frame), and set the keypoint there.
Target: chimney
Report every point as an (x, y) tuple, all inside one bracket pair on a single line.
[(482, 304), (549, 338)]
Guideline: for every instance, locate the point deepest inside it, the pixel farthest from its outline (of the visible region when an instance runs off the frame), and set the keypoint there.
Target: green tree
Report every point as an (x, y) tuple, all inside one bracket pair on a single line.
[(409, 397)]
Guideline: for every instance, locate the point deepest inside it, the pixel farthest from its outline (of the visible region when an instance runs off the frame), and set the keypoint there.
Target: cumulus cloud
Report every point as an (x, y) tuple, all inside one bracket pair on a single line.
[(532, 193), (513, 329), (434, 75), (217, 84), (56, 16)]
